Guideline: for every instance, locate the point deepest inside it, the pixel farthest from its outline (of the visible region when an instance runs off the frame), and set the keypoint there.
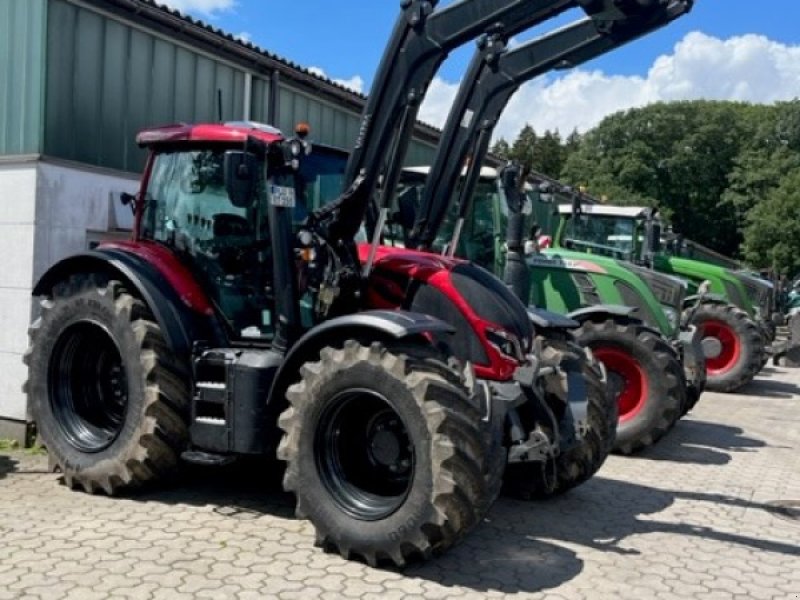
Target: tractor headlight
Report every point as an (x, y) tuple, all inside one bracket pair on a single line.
[(673, 316), (507, 343)]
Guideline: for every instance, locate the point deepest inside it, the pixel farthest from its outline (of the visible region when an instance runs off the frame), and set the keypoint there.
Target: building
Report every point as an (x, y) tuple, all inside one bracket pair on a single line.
[(78, 79)]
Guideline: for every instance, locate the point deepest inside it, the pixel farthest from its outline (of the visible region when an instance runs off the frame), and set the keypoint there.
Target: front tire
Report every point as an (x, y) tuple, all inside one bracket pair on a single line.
[(580, 459), (735, 345), (646, 375), (107, 395), (387, 457)]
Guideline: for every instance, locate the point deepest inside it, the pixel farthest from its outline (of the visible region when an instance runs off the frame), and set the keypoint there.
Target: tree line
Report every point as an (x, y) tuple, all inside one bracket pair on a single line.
[(724, 174)]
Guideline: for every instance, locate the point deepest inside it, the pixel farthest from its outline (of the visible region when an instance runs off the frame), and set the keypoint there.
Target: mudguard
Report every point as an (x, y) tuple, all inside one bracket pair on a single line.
[(690, 301), (180, 325), (614, 310), (545, 319), (377, 325)]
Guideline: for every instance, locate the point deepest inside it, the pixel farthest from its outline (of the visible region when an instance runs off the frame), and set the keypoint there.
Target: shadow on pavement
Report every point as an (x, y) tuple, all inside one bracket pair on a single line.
[(521, 547), (701, 442), (769, 388), (246, 489), (509, 553), (7, 465), (494, 556)]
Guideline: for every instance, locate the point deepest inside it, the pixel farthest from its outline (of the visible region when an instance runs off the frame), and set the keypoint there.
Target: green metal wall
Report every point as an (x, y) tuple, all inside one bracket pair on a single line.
[(329, 124), (107, 79), (22, 24)]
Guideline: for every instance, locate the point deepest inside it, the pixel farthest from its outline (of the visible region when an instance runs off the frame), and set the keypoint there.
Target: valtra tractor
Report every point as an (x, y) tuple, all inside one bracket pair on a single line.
[(646, 371), (223, 328)]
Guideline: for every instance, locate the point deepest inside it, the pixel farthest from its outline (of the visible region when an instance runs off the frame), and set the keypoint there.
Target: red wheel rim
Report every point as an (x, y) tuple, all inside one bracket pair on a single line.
[(729, 341), (627, 370)]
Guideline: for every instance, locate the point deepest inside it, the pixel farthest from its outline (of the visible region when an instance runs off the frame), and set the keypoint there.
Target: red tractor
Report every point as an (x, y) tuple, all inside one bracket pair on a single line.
[(225, 327)]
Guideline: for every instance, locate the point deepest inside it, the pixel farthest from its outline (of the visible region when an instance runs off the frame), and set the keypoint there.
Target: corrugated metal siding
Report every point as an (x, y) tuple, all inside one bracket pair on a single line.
[(329, 125), (259, 100), (420, 153), (22, 24), (107, 80)]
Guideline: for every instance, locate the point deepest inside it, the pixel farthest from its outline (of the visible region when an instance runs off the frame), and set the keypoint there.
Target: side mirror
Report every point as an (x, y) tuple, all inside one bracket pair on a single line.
[(241, 169), (655, 238), (127, 199), (576, 203), (407, 204)]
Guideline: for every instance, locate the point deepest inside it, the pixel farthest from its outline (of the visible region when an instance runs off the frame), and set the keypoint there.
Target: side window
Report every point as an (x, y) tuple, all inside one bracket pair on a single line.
[(187, 203), (227, 246)]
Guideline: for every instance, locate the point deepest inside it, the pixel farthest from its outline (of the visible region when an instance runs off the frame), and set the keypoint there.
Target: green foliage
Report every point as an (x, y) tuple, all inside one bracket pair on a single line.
[(717, 170), (545, 154), (772, 235), (501, 149)]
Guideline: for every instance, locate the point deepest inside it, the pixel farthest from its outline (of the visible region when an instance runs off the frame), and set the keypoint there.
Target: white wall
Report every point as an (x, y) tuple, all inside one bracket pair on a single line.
[(17, 222), (45, 212), (70, 201)]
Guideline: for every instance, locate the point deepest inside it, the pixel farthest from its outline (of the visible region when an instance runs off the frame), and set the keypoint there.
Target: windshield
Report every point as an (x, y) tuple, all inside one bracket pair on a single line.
[(477, 236), (605, 235)]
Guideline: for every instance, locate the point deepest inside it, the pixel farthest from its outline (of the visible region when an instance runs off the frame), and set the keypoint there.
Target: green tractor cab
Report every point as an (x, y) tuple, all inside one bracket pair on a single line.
[(734, 317)]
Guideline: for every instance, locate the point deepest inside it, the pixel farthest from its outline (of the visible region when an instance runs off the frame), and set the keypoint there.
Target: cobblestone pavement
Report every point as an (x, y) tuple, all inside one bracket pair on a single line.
[(691, 518)]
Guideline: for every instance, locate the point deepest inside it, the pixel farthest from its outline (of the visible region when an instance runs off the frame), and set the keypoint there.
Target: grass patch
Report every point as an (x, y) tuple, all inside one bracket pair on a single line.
[(14, 445), (36, 450), (9, 445)]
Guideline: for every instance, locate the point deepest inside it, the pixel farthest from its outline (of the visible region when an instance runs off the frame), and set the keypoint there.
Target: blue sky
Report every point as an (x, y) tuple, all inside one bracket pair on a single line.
[(345, 41)]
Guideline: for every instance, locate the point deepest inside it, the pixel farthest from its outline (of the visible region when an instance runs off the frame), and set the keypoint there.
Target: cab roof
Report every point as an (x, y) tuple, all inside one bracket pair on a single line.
[(233, 132), (487, 173), (602, 210)]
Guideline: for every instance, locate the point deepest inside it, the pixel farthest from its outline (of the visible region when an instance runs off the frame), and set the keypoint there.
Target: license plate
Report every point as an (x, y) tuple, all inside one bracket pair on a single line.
[(281, 196)]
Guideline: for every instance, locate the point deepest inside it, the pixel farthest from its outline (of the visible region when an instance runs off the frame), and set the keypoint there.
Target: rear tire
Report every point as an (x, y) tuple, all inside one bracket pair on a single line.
[(740, 345), (387, 457), (107, 395), (579, 460), (647, 373)]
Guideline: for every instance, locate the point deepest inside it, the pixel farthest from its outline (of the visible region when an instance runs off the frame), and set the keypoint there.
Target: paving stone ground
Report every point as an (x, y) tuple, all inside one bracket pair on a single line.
[(690, 518)]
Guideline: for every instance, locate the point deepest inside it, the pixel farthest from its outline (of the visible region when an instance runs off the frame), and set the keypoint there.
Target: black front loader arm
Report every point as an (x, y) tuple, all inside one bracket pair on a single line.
[(421, 41), (496, 73)]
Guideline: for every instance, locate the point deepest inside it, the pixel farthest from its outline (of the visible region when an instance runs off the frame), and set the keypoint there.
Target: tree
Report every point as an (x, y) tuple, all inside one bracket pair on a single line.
[(677, 156), (501, 149), (772, 235)]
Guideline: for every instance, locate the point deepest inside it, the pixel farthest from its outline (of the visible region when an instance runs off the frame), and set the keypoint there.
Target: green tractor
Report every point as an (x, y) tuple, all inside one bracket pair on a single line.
[(629, 316), (648, 377), (734, 319)]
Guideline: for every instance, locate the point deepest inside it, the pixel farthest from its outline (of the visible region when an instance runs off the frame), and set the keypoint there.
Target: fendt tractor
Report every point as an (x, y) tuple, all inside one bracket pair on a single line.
[(734, 319), (629, 316), (226, 328), (646, 372)]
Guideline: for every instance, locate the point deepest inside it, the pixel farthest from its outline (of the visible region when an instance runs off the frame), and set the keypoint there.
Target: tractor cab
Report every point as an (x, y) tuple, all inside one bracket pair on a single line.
[(479, 239), (209, 195), (630, 233)]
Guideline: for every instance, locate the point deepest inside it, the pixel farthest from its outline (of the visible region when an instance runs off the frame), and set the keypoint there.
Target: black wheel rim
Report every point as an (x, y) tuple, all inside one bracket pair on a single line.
[(88, 386), (364, 454)]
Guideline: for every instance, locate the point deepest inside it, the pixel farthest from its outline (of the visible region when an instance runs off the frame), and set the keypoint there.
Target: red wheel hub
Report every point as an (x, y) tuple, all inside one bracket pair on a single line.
[(730, 347), (629, 376)]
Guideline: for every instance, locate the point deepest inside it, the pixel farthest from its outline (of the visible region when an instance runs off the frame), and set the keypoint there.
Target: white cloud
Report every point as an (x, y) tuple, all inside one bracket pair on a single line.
[(748, 68), (355, 83), (244, 36), (205, 7)]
